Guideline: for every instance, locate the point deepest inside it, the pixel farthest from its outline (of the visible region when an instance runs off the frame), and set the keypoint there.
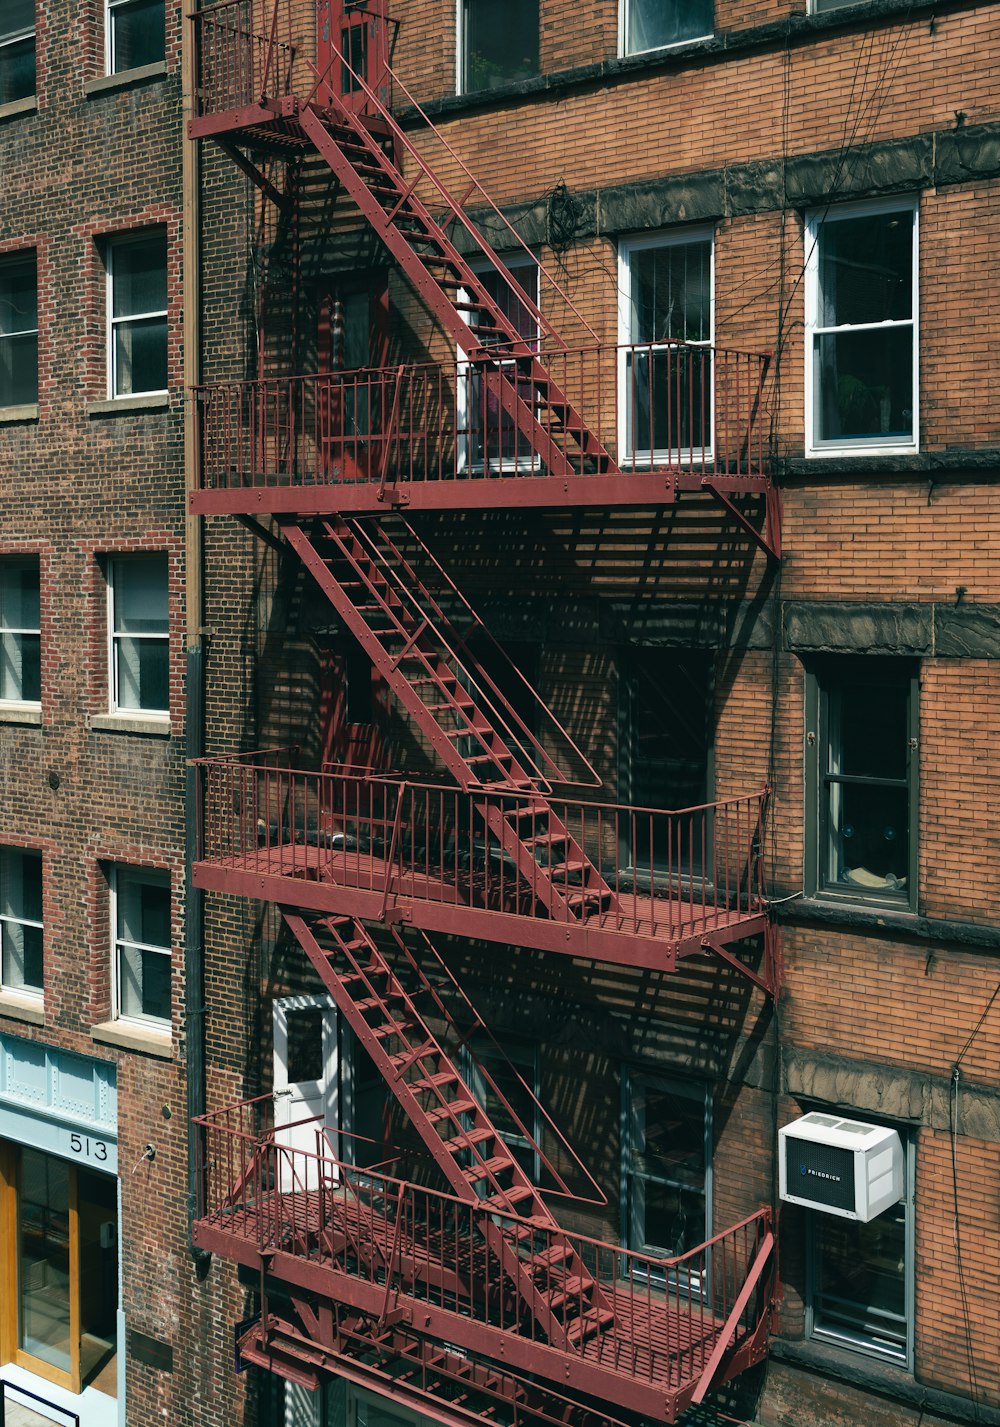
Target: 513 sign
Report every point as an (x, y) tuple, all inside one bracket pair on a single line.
[(90, 1148)]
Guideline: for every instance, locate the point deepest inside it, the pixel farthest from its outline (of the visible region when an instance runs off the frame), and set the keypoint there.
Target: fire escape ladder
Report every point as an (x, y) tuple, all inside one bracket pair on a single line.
[(470, 734), (561, 1295), (524, 387)]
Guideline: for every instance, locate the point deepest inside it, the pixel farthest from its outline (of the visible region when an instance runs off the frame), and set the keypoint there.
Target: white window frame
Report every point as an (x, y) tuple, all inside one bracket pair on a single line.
[(499, 466), (14, 260), (32, 993), (19, 632), (113, 565), (110, 7), (115, 244), (859, 446), (855, 1342), (680, 237), (118, 873), (624, 52)]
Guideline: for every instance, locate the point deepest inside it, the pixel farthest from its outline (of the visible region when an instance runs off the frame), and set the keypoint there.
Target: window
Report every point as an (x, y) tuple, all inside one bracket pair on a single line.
[(141, 920), (655, 24), (666, 1164), (59, 1232), (666, 747), (861, 330), (137, 315), (509, 1073), (665, 389), (498, 42), (819, 7), (20, 633), (489, 435), (861, 744), (136, 34), (138, 629), (859, 1277), (17, 50), (20, 921), (18, 330)]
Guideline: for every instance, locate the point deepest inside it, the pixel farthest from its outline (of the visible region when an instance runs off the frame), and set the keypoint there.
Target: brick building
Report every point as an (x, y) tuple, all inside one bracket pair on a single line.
[(580, 431)]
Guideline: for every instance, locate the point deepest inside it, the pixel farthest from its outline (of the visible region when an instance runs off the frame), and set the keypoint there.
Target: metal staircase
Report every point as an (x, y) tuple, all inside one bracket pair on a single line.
[(468, 1149), (416, 650)]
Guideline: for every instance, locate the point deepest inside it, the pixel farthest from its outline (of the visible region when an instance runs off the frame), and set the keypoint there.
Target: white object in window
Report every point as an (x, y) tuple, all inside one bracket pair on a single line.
[(140, 918), (138, 634), (20, 633), (666, 320), (658, 24), (861, 330), (21, 921), (135, 34), (137, 315), (490, 437)]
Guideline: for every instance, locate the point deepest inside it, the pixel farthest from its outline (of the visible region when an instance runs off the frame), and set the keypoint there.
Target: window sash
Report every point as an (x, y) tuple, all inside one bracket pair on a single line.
[(132, 659), (130, 954), (636, 39), (694, 441), (116, 9), (816, 390), (121, 326)]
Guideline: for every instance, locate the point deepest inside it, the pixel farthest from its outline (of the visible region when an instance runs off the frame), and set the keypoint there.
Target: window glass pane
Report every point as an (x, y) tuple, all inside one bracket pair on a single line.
[(669, 399), (16, 16), (501, 42), (140, 595), (141, 356), (305, 1045), (97, 1209), (143, 910), (864, 384), (20, 668), (671, 290), (18, 332), (667, 1200), (869, 729), (143, 674), (869, 836), (21, 884), (651, 24), (43, 1258), (20, 598), (140, 276), (860, 1288), (145, 984), (866, 269), (138, 34)]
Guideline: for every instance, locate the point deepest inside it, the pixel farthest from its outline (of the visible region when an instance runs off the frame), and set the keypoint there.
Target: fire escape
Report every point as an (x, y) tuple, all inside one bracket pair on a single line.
[(466, 1301)]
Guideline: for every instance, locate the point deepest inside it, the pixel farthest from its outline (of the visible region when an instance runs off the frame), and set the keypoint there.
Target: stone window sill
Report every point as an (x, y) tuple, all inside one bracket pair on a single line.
[(29, 714), (11, 415), (126, 77), (19, 106), (127, 1037), (129, 405), (151, 725), (22, 1008)]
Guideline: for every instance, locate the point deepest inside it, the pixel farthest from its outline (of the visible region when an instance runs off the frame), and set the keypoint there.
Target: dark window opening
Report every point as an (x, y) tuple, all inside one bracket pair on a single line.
[(500, 42)]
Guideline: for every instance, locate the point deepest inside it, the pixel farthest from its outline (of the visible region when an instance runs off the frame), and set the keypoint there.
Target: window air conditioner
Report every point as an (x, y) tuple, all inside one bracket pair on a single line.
[(840, 1166)]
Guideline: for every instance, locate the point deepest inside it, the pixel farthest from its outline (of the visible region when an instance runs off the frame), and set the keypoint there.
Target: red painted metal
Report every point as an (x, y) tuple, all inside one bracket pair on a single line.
[(397, 435), (347, 1236), (466, 1147), (681, 883)]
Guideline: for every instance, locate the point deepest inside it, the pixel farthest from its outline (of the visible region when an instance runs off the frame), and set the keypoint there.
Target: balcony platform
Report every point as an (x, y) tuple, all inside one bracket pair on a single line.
[(337, 1237), (650, 932)]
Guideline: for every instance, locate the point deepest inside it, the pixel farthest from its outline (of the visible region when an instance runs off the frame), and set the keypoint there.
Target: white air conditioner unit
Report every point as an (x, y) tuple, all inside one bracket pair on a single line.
[(840, 1166)]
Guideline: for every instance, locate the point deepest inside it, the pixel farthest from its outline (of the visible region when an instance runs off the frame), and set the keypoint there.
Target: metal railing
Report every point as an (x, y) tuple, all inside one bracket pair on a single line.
[(23, 1398), (412, 1242), (656, 406), (670, 874)]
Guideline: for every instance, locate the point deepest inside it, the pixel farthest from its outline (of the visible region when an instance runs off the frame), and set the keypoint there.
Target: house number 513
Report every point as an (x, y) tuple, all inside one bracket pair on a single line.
[(90, 1149)]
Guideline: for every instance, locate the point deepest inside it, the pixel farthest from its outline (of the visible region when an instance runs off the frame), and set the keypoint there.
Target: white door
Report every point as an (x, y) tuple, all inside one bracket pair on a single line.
[(305, 1085)]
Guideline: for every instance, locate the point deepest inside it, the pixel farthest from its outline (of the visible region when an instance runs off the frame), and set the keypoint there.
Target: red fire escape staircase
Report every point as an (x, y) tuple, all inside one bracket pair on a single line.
[(244, 106), (565, 1300), (412, 645)]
